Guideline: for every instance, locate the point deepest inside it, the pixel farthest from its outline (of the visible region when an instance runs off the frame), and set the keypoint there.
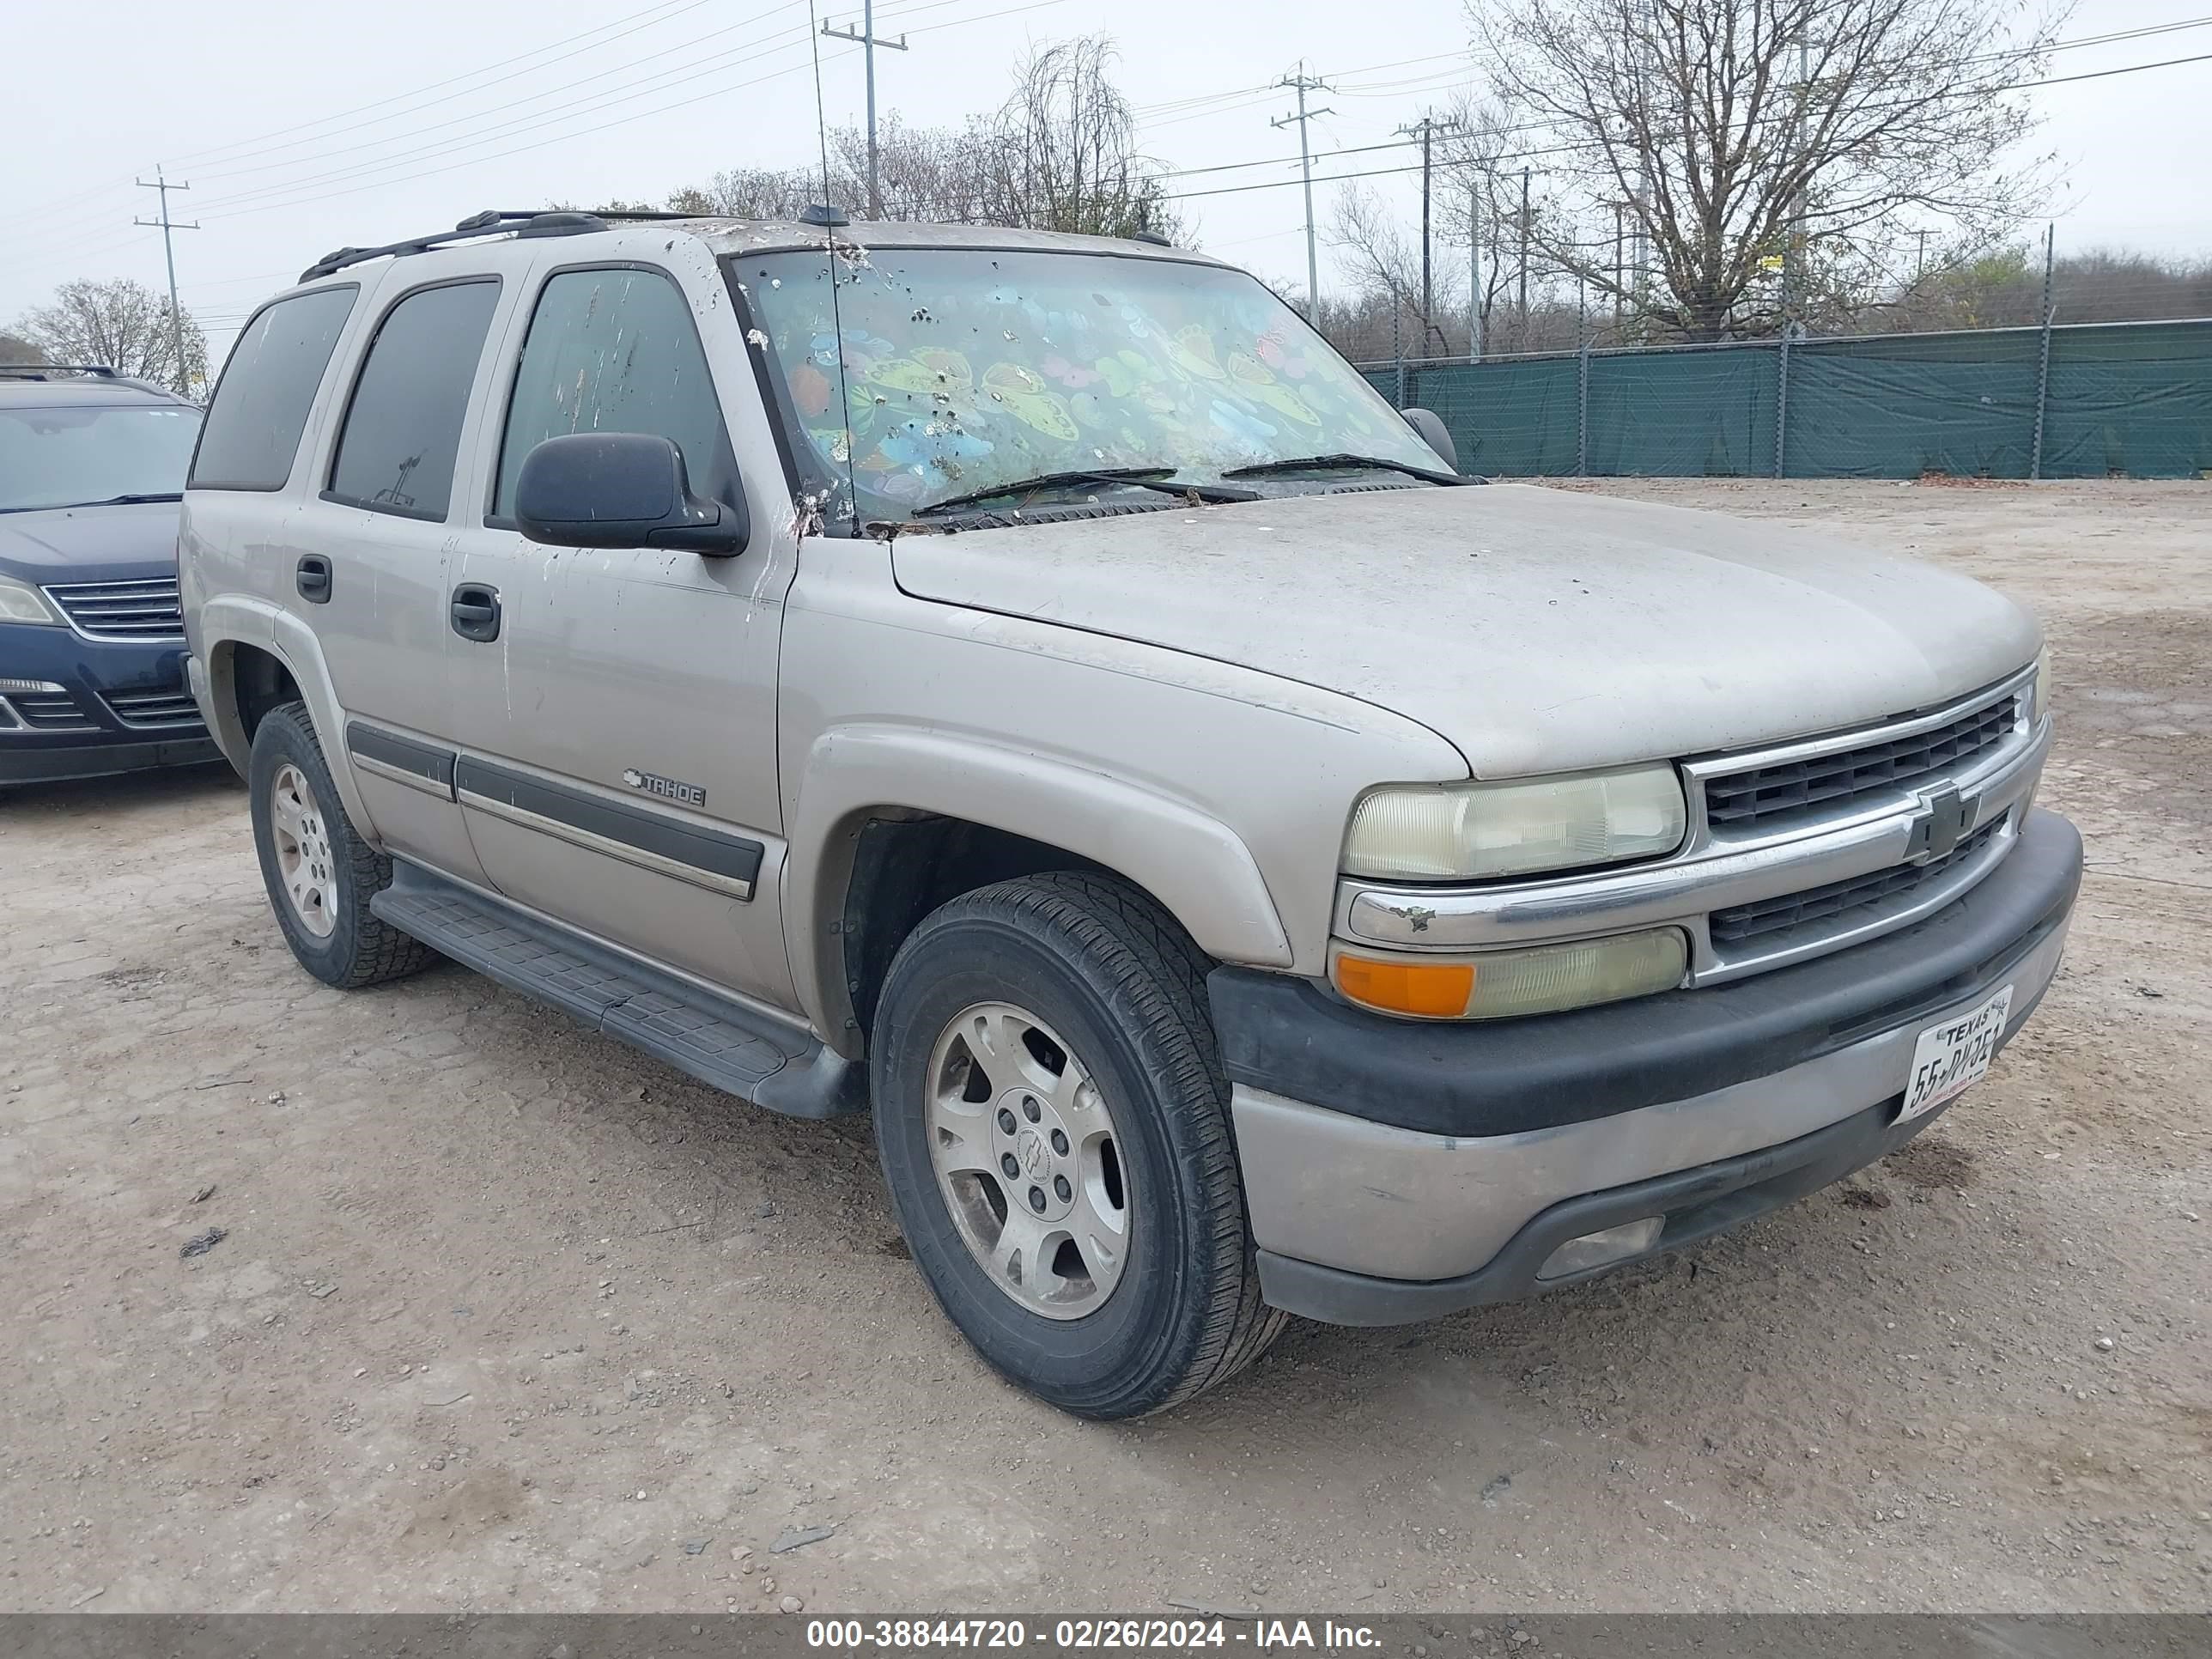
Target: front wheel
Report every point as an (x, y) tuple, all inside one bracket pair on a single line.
[(1053, 1126), (319, 872)]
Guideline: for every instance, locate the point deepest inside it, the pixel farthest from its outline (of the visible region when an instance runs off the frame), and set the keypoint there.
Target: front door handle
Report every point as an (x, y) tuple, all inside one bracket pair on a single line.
[(475, 611), (313, 577)]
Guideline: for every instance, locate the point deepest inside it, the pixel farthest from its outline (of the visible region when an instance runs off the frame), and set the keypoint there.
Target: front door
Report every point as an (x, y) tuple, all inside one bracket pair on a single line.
[(615, 710)]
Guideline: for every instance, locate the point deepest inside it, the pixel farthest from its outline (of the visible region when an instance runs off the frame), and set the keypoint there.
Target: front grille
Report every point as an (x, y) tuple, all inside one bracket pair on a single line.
[(50, 711), (1770, 922), (1770, 792), (169, 706), (122, 610)]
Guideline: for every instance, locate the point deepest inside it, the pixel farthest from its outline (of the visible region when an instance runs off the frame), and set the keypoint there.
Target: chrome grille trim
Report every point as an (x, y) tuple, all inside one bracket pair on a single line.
[(145, 612), (51, 711), (1938, 824), (164, 707), (1875, 803), (1770, 796)]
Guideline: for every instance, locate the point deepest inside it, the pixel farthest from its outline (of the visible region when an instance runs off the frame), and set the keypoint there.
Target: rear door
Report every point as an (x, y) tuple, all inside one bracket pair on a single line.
[(618, 722), (375, 571)]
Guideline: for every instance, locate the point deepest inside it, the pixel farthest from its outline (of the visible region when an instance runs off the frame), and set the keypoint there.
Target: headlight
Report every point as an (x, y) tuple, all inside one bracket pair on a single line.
[(1544, 979), (20, 602), (1457, 832), (2039, 695)]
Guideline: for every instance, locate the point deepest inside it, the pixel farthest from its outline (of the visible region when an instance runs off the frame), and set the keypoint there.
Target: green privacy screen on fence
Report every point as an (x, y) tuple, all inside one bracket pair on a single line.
[(2132, 399)]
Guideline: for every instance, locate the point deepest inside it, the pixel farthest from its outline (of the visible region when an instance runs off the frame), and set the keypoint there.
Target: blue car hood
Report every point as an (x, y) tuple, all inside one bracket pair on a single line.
[(133, 542)]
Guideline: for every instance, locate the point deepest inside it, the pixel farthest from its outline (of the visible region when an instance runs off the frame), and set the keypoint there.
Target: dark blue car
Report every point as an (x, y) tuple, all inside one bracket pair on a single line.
[(92, 643)]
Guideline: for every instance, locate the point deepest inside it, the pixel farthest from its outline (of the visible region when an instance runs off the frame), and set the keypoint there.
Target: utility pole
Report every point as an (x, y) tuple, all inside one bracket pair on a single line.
[(1523, 342), (1618, 242), (1793, 251), (1474, 273), (866, 39), (169, 255), (1303, 84), (1425, 130)]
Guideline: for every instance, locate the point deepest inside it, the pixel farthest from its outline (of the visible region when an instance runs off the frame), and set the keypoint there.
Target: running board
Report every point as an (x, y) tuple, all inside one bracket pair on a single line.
[(717, 1040)]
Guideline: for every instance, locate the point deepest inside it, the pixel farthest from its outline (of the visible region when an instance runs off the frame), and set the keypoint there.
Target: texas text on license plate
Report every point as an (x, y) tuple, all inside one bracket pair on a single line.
[(1952, 1056)]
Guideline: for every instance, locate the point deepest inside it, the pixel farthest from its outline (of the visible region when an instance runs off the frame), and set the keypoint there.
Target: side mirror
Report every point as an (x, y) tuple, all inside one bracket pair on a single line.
[(620, 490), (1430, 428)]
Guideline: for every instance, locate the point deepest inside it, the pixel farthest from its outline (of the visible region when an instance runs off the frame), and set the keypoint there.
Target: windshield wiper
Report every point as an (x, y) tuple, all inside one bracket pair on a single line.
[(1344, 463), (1145, 477), (130, 499)]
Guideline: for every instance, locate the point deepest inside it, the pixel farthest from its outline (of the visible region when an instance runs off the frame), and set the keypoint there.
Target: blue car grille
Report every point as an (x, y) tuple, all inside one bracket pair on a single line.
[(122, 610)]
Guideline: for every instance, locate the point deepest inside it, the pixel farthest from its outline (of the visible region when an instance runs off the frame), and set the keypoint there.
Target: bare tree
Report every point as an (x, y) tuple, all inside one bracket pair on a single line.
[(123, 324), (1378, 255), (1062, 154), (1764, 151), (13, 348), (1480, 197), (750, 193)]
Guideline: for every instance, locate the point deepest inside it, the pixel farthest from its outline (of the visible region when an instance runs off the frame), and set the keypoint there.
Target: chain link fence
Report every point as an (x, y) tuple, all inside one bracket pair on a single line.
[(2078, 401)]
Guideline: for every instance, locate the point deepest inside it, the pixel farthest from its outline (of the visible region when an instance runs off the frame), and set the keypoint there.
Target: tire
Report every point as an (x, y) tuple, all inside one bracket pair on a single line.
[(335, 937), (1117, 991)]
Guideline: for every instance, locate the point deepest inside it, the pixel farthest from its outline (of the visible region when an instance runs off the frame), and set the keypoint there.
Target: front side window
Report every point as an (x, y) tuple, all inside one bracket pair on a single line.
[(268, 387), (64, 456), (613, 350), (941, 371), (402, 429)]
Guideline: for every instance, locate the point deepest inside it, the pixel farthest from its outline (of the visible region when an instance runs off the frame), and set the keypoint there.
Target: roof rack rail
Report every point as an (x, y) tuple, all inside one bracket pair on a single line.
[(47, 371), (492, 221)]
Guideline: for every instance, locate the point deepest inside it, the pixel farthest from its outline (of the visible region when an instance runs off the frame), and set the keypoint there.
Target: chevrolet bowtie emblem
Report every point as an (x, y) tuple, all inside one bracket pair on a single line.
[(1948, 815)]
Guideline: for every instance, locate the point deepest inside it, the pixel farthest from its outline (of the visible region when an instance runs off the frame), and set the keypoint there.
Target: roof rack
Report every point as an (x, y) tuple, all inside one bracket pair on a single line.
[(47, 371), (532, 221)]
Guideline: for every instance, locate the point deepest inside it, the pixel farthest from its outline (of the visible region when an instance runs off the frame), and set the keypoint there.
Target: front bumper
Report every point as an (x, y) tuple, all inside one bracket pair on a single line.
[(110, 706), (1396, 1172)]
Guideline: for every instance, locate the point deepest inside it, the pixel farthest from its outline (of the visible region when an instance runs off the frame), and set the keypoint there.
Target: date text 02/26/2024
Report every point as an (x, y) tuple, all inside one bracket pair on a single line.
[(1148, 1635)]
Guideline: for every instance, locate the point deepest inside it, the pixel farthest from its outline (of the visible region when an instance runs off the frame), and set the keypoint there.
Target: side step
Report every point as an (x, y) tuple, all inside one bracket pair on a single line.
[(719, 1040)]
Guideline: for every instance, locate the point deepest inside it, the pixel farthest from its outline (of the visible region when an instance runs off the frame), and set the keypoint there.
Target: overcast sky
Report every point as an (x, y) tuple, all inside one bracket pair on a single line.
[(301, 128)]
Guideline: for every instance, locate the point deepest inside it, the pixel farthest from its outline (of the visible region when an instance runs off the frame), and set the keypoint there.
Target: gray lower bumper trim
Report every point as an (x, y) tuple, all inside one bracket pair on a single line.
[(1385, 1204), (1696, 1203)]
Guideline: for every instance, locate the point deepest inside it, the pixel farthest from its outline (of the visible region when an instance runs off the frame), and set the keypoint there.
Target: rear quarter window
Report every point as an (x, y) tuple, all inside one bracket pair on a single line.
[(260, 408)]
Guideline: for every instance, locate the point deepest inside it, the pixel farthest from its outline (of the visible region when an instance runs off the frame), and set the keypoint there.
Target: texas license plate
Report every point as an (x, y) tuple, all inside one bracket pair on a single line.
[(1954, 1056)]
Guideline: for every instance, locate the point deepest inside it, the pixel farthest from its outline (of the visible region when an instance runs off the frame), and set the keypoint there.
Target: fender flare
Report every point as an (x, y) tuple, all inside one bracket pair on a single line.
[(1191, 862), (233, 620)]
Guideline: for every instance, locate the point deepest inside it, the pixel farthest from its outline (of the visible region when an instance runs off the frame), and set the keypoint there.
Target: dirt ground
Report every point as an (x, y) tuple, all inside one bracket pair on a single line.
[(510, 1317)]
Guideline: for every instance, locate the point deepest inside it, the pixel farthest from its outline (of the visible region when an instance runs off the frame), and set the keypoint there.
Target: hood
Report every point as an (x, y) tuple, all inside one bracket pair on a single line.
[(1538, 630), (135, 541)]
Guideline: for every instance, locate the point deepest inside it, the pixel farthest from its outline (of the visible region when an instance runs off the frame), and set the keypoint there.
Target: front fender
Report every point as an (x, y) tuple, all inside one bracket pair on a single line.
[(233, 620), (1195, 864)]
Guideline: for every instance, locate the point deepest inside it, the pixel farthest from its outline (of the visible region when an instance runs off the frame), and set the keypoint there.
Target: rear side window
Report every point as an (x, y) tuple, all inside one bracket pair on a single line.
[(613, 350), (402, 428), (260, 409)]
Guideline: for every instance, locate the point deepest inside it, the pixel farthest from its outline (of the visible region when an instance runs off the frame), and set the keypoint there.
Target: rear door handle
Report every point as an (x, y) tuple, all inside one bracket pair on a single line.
[(475, 611), (313, 577)]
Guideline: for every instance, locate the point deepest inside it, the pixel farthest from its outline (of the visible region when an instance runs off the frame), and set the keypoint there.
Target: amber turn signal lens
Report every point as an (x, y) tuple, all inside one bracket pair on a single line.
[(1432, 990)]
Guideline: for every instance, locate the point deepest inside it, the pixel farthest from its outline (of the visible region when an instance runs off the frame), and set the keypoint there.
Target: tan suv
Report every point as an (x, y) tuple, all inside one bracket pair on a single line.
[(1031, 687)]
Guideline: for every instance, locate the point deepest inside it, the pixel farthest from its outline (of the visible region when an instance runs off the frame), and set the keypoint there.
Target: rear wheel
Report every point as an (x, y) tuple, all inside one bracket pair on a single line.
[(1053, 1126), (319, 872)]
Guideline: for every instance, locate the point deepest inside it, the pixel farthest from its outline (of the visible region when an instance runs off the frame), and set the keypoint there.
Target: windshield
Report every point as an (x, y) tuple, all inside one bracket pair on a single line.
[(963, 368), (77, 454)]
